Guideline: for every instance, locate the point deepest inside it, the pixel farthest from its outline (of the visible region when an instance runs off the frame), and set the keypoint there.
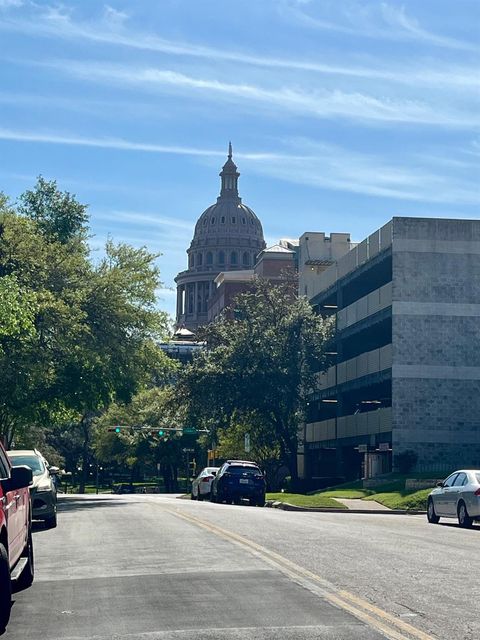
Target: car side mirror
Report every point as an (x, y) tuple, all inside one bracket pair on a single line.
[(20, 477), (439, 484), (53, 470), (214, 473)]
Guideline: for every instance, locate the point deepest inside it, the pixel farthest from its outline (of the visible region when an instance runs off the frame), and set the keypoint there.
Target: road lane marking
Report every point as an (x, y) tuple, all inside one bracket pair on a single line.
[(392, 627)]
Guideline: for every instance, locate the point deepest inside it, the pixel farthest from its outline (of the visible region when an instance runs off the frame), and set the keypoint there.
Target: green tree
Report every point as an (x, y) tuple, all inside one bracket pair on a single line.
[(85, 334), (260, 367), (153, 410), (59, 216)]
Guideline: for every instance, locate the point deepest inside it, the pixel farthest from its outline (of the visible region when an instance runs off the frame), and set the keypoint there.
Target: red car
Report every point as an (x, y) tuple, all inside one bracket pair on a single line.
[(16, 549)]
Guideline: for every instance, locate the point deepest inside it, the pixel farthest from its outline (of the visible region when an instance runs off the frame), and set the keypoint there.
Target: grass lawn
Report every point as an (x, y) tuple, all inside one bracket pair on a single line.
[(300, 500), (391, 494), (402, 499)]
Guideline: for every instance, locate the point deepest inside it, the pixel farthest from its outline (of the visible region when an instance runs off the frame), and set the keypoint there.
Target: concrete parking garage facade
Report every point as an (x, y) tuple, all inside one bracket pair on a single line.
[(405, 368)]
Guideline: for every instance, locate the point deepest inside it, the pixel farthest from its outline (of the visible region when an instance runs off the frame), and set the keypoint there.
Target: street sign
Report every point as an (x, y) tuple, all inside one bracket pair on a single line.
[(186, 450), (384, 446), (247, 443), (189, 430), (362, 448)]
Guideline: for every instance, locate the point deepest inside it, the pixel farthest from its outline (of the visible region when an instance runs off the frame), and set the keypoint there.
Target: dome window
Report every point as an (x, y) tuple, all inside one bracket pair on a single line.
[(199, 259), (233, 257), (246, 261), (244, 220), (234, 219), (213, 220), (190, 260), (209, 258), (222, 219), (205, 222), (221, 257)]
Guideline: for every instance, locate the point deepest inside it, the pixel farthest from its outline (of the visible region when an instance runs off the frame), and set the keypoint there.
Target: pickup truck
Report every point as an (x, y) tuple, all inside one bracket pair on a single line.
[(16, 548)]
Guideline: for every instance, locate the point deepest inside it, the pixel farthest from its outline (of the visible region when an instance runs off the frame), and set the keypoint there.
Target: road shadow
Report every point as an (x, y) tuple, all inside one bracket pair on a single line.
[(73, 503), (455, 525)]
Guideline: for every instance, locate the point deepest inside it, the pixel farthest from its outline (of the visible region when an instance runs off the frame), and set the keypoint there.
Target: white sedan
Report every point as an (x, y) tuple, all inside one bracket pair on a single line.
[(456, 497), (202, 484)]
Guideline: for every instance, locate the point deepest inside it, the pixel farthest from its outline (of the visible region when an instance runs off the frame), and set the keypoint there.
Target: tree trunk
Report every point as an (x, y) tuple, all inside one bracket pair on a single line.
[(85, 423)]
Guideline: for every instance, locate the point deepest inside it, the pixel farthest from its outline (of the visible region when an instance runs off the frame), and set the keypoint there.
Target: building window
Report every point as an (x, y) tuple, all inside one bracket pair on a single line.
[(233, 219), (233, 257), (205, 221), (199, 259), (221, 257), (244, 220), (213, 220), (245, 258), (209, 258), (222, 219)]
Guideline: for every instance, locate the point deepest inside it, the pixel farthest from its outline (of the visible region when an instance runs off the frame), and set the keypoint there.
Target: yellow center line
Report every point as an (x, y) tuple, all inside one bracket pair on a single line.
[(392, 627)]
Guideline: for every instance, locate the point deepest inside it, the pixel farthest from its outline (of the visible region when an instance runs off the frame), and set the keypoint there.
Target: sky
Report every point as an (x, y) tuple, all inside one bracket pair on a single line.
[(342, 113)]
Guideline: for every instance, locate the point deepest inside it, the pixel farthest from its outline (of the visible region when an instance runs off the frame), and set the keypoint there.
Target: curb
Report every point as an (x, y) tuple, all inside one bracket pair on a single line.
[(285, 506)]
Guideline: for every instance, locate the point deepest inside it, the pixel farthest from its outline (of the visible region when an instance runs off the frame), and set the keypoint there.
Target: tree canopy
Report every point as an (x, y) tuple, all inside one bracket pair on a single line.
[(259, 367), (75, 335)]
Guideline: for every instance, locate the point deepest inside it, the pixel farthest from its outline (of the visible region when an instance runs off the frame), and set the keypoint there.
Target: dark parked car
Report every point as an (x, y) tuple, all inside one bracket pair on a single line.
[(238, 479)]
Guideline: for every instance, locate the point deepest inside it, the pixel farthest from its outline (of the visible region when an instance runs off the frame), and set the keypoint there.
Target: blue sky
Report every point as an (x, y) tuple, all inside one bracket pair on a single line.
[(342, 113)]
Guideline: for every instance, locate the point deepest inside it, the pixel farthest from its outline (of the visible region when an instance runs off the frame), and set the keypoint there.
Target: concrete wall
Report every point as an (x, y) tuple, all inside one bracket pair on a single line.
[(436, 340)]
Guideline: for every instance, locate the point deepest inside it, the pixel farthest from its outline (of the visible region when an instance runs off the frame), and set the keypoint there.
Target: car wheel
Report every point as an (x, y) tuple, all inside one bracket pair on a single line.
[(26, 578), (51, 523), (212, 497), (261, 501), (199, 496), (464, 520), (5, 589), (237, 500), (431, 515), (192, 497)]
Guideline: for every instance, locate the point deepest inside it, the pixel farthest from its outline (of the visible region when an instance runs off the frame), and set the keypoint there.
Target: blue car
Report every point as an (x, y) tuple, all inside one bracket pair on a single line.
[(237, 480)]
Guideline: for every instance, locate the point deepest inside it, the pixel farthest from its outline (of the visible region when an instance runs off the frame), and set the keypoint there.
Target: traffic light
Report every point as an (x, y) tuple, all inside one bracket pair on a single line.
[(161, 432), (115, 429)]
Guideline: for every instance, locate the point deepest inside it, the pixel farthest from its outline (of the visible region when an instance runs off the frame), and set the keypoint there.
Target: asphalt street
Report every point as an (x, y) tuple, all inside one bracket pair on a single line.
[(151, 567)]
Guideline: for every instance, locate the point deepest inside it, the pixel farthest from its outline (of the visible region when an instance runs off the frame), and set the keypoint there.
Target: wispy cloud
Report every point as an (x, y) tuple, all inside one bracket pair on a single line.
[(379, 20), (56, 22), (103, 143), (149, 219), (319, 103), (7, 4), (333, 167), (318, 165)]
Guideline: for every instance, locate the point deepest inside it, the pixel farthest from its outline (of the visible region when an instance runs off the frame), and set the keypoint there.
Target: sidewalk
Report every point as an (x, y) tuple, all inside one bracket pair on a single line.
[(362, 505), (353, 506)]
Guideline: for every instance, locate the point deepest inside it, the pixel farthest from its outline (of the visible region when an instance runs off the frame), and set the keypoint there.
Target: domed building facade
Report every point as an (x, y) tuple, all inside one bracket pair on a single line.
[(228, 236)]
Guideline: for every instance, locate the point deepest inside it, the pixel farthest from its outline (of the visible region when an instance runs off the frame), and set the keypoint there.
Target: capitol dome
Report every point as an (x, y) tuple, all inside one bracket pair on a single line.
[(228, 236)]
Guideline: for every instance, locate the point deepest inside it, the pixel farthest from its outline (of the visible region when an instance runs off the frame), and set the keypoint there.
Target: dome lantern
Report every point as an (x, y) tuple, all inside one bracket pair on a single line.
[(229, 176)]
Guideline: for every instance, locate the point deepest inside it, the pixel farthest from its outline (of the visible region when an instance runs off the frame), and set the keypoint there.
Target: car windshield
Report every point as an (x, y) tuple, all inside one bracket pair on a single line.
[(241, 470), (34, 462)]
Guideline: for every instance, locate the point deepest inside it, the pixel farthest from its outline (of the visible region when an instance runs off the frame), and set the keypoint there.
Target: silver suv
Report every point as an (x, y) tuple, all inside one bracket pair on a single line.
[(44, 490)]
